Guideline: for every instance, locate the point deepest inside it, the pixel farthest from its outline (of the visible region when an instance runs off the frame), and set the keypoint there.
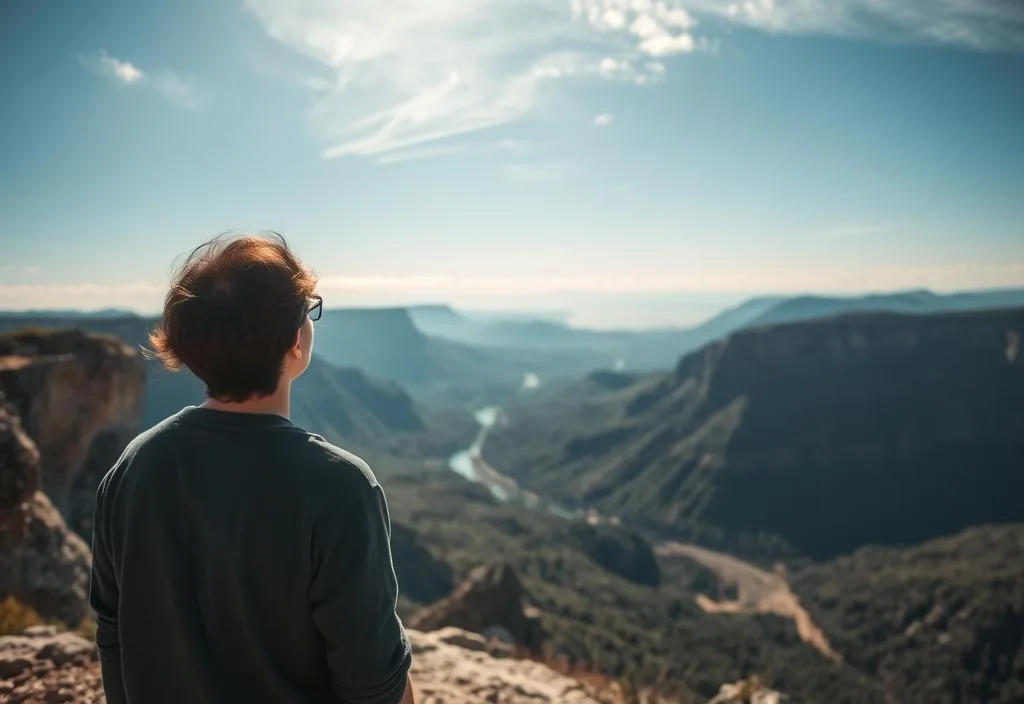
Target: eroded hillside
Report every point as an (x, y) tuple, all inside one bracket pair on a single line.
[(814, 437)]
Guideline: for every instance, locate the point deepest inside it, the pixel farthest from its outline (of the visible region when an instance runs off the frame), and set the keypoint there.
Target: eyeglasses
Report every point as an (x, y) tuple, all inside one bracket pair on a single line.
[(317, 309)]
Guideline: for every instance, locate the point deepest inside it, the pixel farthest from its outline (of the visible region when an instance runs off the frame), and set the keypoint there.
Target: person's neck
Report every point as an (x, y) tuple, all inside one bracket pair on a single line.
[(278, 403)]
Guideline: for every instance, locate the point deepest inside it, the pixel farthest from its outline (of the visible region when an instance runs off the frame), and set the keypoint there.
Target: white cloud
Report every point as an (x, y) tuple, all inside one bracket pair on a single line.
[(103, 63), (603, 120), (611, 67), (665, 44), (624, 70), (613, 18), (990, 25), (407, 72), (660, 28), (645, 27), (180, 91)]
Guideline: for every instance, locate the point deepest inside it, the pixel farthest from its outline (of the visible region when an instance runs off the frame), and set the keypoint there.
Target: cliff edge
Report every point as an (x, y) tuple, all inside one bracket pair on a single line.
[(79, 396)]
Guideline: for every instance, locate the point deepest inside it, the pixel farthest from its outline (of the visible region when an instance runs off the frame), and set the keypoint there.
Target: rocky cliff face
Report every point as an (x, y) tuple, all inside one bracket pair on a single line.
[(42, 564), (70, 402), (828, 435), (19, 463), (79, 396)]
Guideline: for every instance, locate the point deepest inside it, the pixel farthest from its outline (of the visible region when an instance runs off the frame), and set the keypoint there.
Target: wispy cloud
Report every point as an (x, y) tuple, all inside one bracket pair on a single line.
[(400, 73), (988, 25), (603, 120), (394, 74), (415, 154), (179, 91)]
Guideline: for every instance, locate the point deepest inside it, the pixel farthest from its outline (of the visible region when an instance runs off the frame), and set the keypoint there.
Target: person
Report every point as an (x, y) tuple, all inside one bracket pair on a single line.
[(237, 557)]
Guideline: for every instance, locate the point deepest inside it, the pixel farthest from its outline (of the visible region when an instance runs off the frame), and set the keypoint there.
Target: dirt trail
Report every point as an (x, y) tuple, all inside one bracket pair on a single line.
[(758, 591)]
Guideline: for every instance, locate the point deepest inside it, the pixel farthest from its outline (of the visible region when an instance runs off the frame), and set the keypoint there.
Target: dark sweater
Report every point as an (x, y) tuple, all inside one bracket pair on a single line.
[(238, 558)]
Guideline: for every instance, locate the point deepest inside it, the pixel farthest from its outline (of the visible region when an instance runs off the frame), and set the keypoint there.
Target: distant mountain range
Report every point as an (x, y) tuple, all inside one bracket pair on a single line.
[(817, 437), (386, 343), (659, 349), (345, 405), (472, 359)]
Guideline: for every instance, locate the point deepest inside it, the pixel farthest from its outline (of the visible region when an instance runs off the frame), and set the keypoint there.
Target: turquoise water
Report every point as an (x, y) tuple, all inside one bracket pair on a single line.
[(462, 464)]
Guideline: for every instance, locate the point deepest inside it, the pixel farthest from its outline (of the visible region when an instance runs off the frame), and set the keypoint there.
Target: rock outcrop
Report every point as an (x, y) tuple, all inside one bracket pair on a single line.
[(489, 602), (44, 564), (749, 691), (79, 396), (19, 463)]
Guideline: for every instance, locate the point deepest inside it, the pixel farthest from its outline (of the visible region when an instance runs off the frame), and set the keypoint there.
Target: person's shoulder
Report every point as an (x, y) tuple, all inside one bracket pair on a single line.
[(332, 466), (152, 441)]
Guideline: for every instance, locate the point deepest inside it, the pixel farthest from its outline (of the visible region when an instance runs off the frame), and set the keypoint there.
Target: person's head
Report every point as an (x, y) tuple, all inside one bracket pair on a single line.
[(237, 315)]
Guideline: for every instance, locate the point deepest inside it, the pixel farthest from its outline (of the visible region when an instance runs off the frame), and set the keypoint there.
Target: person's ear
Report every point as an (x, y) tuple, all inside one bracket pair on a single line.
[(296, 349)]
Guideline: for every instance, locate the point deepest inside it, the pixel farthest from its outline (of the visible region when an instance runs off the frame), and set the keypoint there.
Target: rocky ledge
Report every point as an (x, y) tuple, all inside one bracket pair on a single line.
[(450, 666)]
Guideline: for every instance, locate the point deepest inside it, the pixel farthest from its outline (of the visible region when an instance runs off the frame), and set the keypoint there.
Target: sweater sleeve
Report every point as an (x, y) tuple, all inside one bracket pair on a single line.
[(354, 596), (104, 598)]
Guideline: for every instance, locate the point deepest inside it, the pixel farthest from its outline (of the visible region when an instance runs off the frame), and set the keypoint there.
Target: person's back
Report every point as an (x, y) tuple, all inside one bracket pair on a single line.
[(236, 556)]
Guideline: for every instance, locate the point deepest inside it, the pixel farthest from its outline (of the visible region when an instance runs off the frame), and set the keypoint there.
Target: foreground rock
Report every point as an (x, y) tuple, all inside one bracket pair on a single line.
[(490, 602), (43, 666), (452, 666), (79, 396), (449, 667)]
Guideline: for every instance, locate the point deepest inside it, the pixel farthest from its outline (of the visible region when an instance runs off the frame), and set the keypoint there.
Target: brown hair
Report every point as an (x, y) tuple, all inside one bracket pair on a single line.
[(232, 313)]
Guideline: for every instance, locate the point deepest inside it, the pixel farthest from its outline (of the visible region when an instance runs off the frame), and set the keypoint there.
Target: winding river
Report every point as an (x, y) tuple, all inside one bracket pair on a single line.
[(470, 464), (758, 591)]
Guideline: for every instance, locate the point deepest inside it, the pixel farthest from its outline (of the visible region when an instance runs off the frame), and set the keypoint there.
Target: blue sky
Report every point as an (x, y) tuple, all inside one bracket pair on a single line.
[(516, 153)]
